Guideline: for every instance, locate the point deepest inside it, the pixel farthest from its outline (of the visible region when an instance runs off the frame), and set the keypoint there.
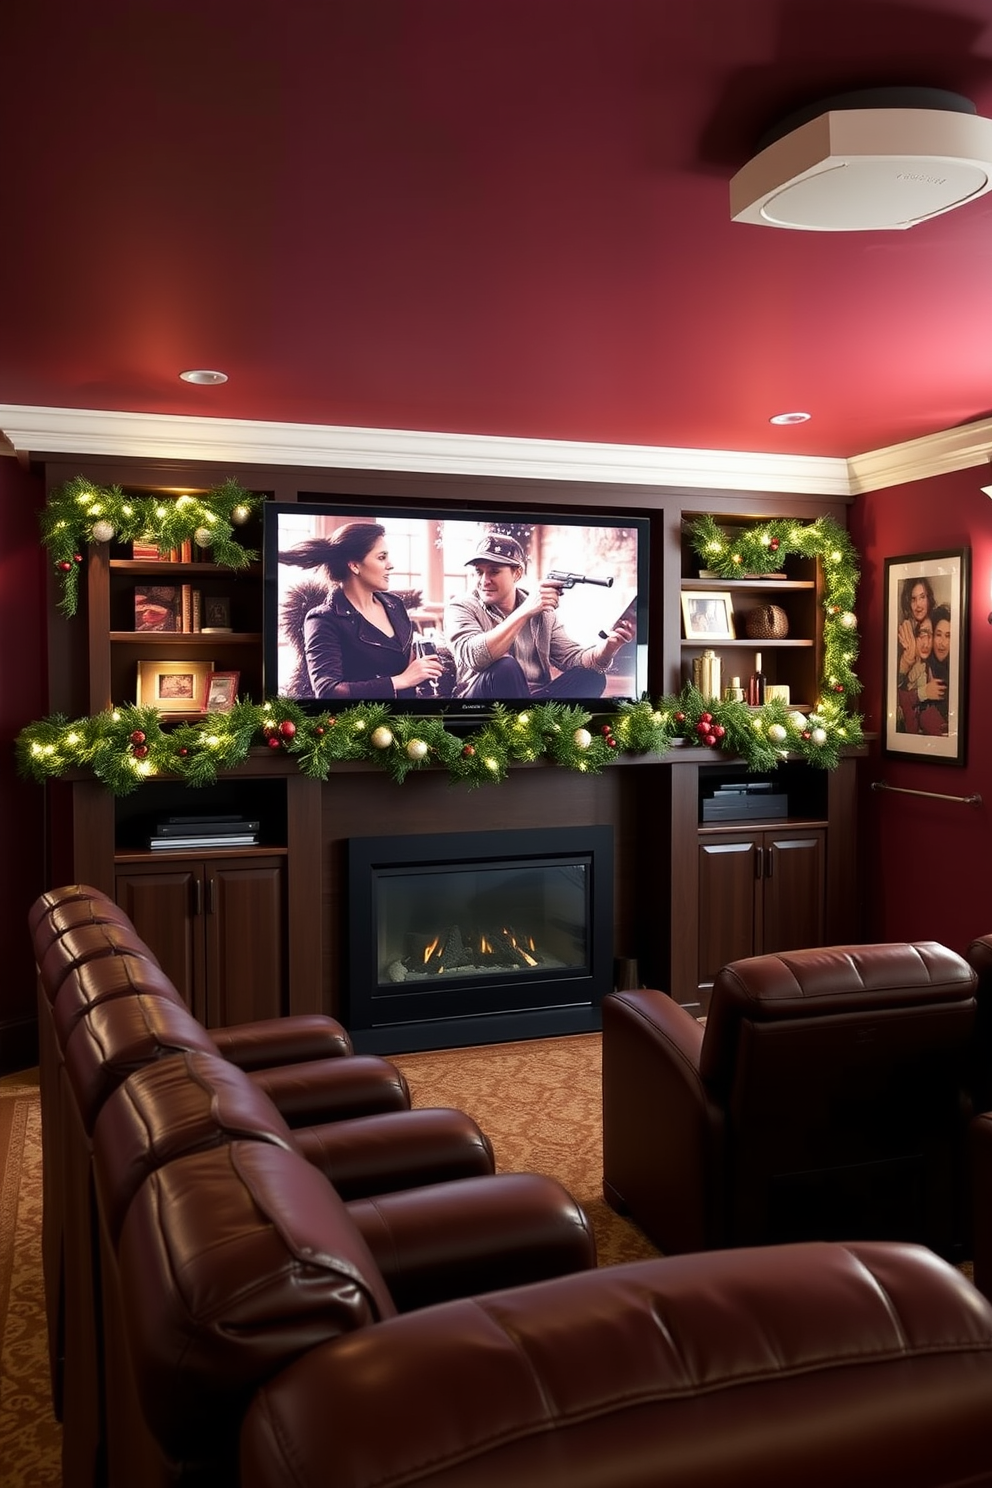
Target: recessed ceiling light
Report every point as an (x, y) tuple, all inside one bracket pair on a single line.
[(789, 418), (203, 378)]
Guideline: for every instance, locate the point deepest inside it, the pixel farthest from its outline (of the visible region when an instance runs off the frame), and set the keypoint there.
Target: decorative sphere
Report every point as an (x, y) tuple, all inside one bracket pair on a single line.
[(777, 733), (240, 515), (468, 750), (819, 736), (65, 565), (798, 720), (103, 530), (141, 751), (381, 737), (287, 728), (203, 537), (582, 738), (274, 742), (849, 620), (416, 749), (138, 736)]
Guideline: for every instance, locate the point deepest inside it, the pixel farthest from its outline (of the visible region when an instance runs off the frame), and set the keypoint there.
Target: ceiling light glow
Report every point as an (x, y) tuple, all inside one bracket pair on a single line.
[(789, 418), (203, 378)]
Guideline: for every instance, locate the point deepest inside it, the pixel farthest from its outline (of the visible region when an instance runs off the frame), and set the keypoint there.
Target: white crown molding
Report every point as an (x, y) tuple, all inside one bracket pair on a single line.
[(919, 459), (173, 437), (41, 430)]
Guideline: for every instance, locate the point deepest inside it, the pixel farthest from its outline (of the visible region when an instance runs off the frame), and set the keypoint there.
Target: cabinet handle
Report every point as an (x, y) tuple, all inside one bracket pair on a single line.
[(769, 860), (759, 854), (210, 896), (197, 896)]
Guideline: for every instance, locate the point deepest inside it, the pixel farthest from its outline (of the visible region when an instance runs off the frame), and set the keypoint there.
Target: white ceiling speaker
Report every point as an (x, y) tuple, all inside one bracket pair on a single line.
[(880, 159)]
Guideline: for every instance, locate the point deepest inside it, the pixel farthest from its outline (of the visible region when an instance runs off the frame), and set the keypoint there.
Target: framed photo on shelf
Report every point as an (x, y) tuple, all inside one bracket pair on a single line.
[(222, 692), (708, 615), (216, 612), (173, 686), (925, 666)]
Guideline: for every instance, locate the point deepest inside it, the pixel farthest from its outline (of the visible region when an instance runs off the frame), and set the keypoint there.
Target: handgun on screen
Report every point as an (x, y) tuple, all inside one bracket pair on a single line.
[(569, 580)]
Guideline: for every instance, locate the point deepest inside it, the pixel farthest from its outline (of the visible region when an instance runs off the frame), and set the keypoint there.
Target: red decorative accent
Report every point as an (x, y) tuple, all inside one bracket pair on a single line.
[(64, 566), (287, 728), (774, 544), (718, 730), (469, 749), (140, 751), (680, 718), (138, 737), (77, 557), (706, 717), (838, 687), (182, 752), (274, 743), (318, 729), (709, 740)]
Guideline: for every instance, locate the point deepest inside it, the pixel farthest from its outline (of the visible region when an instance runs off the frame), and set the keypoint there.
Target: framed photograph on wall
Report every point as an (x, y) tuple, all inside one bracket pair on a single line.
[(708, 614), (222, 692), (925, 670), (173, 686)]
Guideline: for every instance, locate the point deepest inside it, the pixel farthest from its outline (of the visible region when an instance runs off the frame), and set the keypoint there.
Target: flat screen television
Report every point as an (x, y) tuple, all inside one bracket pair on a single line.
[(314, 649)]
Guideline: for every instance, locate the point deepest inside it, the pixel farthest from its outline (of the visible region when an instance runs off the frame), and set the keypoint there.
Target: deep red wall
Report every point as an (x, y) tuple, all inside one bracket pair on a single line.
[(926, 864), (23, 697)]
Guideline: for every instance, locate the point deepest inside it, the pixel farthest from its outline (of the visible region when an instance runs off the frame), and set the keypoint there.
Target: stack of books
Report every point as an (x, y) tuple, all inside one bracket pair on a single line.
[(176, 832)]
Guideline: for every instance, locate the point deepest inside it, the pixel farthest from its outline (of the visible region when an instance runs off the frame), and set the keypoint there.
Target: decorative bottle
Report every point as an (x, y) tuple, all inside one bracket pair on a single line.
[(756, 684)]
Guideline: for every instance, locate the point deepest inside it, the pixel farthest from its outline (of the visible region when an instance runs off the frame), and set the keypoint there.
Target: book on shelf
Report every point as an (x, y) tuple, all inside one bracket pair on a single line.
[(157, 607), (197, 612), (216, 612), (186, 601), (244, 839)]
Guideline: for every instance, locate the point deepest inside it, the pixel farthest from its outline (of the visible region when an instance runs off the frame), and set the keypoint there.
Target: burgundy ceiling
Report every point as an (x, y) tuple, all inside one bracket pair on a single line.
[(492, 216)]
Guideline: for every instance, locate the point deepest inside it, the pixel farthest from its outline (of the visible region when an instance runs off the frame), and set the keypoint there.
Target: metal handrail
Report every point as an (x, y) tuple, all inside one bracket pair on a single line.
[(975, 800)]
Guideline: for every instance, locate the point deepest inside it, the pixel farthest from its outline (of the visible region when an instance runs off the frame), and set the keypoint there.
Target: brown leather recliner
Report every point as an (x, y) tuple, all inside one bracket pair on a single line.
[(235, 1259), (826, 1098), (812, 1364), (76, 925)]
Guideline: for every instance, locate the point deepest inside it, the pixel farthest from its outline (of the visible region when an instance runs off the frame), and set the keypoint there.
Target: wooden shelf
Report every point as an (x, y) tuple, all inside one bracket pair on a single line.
[(209, 640)]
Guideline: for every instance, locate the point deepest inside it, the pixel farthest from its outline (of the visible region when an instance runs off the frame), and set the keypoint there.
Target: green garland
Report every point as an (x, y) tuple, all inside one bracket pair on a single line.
[(79, 513), (762, 548), (127, 745)]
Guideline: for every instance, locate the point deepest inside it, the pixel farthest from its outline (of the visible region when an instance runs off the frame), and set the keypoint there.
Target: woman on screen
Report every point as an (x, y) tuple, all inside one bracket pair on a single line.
[(359, 642)]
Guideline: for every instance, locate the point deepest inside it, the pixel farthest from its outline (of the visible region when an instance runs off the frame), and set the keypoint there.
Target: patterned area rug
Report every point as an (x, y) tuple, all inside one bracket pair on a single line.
[(30, 1436), (540, 1103)]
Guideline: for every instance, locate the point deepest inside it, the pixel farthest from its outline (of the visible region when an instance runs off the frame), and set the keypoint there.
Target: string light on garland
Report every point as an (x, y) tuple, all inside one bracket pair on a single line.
[(78, 513), (115, 743)]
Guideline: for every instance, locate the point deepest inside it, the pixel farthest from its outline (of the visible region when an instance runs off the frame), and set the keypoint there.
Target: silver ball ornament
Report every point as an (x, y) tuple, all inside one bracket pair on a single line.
[(103, 530), (240, 515), (381, 737), (582, 738), (416, 749), (203, 537)]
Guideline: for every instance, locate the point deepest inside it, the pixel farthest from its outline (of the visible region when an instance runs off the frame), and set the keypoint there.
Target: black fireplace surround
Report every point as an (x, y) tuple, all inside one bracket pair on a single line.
[(463, 938)]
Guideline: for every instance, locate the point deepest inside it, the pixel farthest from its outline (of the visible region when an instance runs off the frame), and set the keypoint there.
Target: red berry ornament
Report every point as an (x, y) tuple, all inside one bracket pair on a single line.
[(838, 687), (287, 728), (318, 730), (680, 718), (140, 751), (77, 557), (718, 731), (468, 750), (137, 737), (274, 742), (709, 740), (702, 728), (65, 566), (183, 752)]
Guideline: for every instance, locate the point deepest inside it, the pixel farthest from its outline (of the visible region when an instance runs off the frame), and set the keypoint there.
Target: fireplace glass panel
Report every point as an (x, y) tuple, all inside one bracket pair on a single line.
[(481, 921)]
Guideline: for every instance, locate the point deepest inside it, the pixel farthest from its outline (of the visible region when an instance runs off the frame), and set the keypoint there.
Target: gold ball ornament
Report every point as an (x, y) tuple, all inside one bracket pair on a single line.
[(203, 537), (582, 738), (416, 749), (103, 530), (381, 737), (240, 515)]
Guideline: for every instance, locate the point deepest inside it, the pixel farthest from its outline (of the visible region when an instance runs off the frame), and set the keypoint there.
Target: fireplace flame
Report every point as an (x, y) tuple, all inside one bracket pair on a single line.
[(531, 960), (430, 949)]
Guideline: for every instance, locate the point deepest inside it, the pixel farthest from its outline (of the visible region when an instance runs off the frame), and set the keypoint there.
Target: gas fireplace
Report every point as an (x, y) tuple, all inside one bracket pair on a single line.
[(478, 937)]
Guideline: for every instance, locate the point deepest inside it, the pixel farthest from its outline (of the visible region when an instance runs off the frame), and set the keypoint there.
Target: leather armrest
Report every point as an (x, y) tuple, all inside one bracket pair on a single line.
[(396, 1150), (457, 1239), (334, 1089), (271, 1041), (980, 1140), (662, 1136), (813, 1364)]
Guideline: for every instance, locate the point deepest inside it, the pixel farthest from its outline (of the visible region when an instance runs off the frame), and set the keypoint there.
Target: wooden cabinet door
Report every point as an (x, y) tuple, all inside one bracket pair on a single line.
[(165, 906), (244, 941), (729, 902), (793, 890)]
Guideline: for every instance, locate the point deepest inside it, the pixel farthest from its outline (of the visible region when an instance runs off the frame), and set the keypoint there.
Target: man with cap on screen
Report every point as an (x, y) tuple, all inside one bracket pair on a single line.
[(508, 642)]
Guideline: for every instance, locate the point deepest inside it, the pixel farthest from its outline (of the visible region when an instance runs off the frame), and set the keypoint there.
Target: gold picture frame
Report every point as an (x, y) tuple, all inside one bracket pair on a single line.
[(708, 615), (174, 686)]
